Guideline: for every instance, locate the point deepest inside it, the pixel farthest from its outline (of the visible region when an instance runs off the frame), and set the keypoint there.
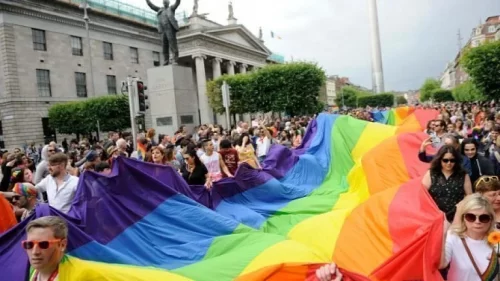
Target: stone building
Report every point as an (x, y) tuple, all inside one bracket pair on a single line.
[(454, 74), (45, 57)]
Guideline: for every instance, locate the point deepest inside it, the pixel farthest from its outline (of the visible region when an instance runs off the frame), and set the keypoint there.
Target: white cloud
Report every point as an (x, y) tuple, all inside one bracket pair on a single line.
[(418, 36)]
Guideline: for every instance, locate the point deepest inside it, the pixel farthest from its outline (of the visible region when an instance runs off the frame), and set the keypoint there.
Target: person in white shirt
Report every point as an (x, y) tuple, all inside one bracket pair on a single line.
[(214, 162), (59, 186), (263, 143), (466, 249)]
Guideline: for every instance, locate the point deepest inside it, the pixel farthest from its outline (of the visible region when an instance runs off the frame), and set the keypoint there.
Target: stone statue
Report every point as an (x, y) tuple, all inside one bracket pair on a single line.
[(167, 27), (231, 11), (260, 33), (195, 8)]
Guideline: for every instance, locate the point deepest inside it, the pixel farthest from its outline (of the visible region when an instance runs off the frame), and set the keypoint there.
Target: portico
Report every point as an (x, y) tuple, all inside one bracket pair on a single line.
[(212, 50)]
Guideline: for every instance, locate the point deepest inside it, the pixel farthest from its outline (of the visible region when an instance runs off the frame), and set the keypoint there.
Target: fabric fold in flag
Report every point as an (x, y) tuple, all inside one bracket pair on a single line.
[(349, 194)]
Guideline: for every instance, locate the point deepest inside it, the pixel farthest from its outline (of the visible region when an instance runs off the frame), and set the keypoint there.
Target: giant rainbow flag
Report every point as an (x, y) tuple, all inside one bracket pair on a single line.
[(350, 194)]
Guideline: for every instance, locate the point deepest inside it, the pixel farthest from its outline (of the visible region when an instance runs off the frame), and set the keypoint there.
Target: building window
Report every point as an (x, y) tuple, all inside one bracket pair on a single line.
[(49, 134), (134, 55), (111, 81), (81, 84), (39, 42), (156, 59), (492, 28), (76, 46), (43, 82), (108, 50)]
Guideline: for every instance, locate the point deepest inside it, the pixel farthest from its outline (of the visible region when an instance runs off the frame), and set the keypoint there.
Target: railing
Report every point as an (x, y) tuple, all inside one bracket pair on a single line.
[(125, 10)]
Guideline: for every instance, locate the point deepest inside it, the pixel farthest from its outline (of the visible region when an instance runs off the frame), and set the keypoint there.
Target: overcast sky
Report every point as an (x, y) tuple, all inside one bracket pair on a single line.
[(418, 36)]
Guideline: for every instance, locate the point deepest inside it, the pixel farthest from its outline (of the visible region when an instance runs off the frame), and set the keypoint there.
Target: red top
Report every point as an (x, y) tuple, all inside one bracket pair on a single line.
[(230, 157)]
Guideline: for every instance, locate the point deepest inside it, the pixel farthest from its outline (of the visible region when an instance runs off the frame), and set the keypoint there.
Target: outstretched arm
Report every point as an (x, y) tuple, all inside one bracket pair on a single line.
[(176, 4), (152, 6)]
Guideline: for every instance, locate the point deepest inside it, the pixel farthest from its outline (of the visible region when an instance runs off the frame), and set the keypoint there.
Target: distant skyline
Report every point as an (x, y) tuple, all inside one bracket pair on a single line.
[(419, 37)]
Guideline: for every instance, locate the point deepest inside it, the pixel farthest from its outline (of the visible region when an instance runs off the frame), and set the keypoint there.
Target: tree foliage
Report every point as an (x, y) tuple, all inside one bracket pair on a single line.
[(467, 92), (483, 66), (426, 90), (401, 100), (384, 99), (349, 96), (441, 95), (292, 88), (81, 117)]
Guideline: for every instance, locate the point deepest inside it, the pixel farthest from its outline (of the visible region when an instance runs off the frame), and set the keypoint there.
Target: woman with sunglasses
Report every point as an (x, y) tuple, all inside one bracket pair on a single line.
[(466, 249), (489, 187), (447, 181)]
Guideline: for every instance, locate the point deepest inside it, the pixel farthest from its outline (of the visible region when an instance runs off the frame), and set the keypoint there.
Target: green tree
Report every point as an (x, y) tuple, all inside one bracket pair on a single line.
[(401, 100), (293, 88), (430, 85), (81, 117), (383, 99), (441, 95), (467, 92), (483, 65), (349, 95)]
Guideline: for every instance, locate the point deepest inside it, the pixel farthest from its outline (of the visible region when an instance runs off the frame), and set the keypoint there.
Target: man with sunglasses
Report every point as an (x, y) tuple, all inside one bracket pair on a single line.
[(25, 198), (45, 246)]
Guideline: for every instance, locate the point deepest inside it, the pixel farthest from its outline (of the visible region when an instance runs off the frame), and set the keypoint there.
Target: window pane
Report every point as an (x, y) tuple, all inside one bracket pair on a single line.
[(43, 82), (39, 42), (111, 82), (156, 59), (76, 46), (81, 84), (108, 51), (134, 55)]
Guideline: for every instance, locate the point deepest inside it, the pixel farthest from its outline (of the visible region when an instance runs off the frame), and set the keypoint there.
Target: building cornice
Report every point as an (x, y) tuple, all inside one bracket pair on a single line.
[(137, 33), (189, 43)]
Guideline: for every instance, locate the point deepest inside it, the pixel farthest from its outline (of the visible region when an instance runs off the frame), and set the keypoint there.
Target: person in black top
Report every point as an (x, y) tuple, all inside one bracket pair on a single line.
[(194, 171), (477, 165), (447, 181)]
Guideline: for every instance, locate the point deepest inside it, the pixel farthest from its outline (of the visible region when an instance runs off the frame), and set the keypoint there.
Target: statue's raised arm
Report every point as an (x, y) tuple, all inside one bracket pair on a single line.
[(152, 6), (176, 4)]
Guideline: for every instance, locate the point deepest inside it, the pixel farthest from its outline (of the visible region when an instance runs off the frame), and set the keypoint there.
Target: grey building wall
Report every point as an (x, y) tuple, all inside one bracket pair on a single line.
[(21, 107)]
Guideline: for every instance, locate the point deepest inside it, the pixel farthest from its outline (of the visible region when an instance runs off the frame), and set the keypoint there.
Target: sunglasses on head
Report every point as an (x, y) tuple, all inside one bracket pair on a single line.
[(484, 218), (28, 245), (448, 160)]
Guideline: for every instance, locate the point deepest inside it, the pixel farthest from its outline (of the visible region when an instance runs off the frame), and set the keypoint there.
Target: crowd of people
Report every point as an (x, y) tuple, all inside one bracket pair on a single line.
[(462, 148)]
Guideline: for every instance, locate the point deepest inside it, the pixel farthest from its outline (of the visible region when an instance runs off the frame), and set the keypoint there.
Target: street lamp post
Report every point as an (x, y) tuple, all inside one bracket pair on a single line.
[(85, 6)]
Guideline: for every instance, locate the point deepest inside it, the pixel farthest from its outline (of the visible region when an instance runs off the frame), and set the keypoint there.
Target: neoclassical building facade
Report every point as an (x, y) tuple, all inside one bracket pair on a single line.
[(47, 57)]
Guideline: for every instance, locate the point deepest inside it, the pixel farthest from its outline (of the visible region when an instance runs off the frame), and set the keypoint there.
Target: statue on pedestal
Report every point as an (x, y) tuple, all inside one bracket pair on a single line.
[(231, 11), (167, 27), (195, 8)]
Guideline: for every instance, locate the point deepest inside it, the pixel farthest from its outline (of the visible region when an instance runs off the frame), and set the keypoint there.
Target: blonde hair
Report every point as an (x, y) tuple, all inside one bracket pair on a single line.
[(473, 202), (56, 224)]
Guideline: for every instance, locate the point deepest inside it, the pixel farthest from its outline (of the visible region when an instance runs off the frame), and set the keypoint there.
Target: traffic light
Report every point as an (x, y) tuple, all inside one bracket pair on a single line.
[(141, 97)]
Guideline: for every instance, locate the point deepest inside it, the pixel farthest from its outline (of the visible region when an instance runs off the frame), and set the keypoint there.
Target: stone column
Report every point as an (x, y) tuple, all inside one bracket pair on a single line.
[(230, 67), (216, 67), (201, 81), (243, 68)]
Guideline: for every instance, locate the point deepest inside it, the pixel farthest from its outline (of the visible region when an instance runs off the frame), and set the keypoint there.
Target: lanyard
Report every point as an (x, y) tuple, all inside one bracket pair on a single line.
[(51, 278)]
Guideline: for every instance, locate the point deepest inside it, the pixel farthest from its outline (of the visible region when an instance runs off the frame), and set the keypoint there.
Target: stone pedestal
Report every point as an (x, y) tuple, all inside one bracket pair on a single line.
[(173, 99)]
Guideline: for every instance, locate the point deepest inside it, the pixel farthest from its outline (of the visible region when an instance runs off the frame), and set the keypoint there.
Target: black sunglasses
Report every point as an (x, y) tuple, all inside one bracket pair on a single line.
[(484, 218), (16, 197), (446, 160)]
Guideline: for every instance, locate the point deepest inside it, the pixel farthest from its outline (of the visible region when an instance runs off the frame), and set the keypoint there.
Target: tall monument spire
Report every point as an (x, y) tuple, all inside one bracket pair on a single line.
[(377, 69)]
